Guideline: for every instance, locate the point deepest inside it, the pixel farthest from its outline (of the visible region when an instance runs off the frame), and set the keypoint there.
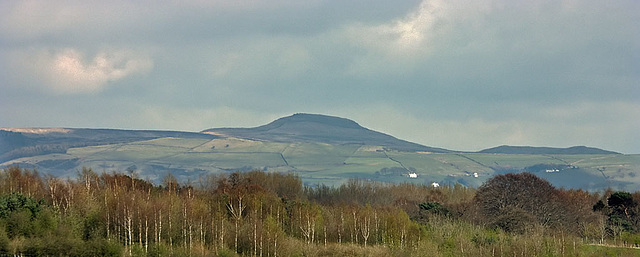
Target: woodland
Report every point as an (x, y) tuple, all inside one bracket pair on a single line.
[(259, 213)]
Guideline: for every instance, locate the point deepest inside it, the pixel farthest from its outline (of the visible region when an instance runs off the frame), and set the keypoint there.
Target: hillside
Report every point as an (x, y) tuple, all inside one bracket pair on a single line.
[(320, 149), (322, 129), (25, 142)]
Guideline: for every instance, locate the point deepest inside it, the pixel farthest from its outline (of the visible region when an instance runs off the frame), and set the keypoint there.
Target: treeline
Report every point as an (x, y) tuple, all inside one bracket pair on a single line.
[(272, 214)]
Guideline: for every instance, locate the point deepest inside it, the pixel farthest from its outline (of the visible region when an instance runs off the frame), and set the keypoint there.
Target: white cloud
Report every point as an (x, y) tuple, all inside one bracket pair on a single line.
[(68, 71), (405, 44), (412, 32), (407, 35)]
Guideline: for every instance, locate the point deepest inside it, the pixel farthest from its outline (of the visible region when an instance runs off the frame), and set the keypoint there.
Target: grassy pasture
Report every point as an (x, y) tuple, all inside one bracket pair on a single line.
[(512, 160), (311, 154), (228, 160), (187, 143), (240, 145), (333, 164), (138, 152)]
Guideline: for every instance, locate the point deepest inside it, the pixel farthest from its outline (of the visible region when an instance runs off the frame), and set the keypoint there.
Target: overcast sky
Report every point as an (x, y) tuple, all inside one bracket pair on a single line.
[(456, 74)]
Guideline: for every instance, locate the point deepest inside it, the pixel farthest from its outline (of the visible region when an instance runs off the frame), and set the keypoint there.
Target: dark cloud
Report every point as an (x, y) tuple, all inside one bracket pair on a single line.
[(457, 74)]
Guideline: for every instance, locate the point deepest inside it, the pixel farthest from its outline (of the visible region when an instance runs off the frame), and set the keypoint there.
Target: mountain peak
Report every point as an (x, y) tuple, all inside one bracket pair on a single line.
[(319, 119), (304, 127)]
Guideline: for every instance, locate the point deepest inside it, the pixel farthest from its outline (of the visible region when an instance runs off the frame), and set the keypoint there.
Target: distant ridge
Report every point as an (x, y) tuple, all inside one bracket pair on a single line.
[(23, 142), (506, 149), (303, 127), (320, 149)]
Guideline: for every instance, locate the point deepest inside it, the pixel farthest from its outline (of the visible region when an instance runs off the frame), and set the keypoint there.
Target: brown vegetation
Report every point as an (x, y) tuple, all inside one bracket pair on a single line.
[(271, 214)]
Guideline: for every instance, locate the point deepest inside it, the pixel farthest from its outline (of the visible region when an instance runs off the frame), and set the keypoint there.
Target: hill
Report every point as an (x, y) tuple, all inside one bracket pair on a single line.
[(505, 149), (320, 149), (322, 129), (24, 142)]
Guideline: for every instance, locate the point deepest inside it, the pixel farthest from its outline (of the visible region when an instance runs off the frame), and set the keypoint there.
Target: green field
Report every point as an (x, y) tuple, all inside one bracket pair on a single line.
[(319, 163)]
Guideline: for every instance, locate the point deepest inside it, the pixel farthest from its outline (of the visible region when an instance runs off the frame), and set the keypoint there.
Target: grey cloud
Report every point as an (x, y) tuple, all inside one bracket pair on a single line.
[(509, 68)]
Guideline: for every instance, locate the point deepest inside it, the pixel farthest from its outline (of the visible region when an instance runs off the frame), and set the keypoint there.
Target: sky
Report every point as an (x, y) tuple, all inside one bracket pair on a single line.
[(456, 74)]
